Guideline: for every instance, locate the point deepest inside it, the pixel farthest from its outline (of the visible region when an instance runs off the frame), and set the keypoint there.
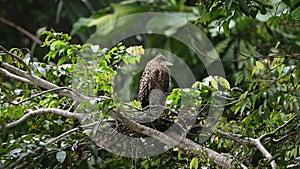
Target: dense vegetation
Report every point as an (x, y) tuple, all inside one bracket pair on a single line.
[(46, 101)]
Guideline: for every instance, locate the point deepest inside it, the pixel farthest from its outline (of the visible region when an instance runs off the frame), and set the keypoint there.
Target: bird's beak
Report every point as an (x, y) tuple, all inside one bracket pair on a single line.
[(167, 63)]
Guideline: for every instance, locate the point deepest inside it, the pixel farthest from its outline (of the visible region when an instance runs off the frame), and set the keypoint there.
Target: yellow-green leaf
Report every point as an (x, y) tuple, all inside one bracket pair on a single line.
[(194, 163), (224, 82), (214, 83)]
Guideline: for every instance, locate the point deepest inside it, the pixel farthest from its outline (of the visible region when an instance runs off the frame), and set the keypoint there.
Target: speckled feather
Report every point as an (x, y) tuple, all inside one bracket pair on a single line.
[(155, 76)]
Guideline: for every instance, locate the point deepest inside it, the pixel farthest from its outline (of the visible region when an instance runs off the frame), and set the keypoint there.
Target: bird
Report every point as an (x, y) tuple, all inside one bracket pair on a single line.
[(155, 82)]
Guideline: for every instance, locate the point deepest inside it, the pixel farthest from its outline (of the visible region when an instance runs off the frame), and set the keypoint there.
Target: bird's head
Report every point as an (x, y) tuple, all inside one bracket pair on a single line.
[(162, 60)]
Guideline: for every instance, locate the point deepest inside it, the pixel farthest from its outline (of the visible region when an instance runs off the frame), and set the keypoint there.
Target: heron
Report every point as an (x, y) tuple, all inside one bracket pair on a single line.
[(155, 82)]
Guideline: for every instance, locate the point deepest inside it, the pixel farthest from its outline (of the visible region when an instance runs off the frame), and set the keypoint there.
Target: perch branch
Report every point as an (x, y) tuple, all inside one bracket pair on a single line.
[(131, 124), (219, 159), (171, 141)]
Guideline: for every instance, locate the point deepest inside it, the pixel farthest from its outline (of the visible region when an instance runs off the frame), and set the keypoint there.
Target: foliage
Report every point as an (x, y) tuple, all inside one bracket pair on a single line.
[(21, 146), (258, 42), (271, 99)]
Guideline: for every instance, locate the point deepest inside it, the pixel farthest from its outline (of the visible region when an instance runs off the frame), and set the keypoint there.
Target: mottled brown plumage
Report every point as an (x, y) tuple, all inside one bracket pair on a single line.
[(155, 80)]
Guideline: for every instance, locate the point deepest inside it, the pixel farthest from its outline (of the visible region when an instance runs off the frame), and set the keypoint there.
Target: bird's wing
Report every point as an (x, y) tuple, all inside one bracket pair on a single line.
[(166, 82), (160, 79), (144, 84)]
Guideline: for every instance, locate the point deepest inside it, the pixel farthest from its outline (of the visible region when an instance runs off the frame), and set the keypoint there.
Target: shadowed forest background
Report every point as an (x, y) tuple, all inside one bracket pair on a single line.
[(258, 42)]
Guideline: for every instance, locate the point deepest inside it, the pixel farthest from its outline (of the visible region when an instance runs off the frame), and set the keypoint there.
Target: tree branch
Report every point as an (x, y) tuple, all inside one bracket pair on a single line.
[(131, 124), (45, 111), (263, 150), (185, 143), (14, 164), (22, 30), (276, 130), (257, 142), (43, 83), (16, 57), (218, 158), (254, 142), (38, 94), (13, 76)]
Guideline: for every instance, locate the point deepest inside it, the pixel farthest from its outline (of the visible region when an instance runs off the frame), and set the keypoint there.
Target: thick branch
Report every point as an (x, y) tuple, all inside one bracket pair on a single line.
[(184, 143), (13, 76), (263, 150), (45, 111), (143, 129), (220, 159)]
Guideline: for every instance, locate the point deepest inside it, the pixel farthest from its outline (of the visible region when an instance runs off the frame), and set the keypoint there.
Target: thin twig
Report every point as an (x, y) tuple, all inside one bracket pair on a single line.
[(16, 57), (255, 142), (45, 111), (274, 81), (14, 164), (22, 30), (276, 130), (44, 83), (39, 94)]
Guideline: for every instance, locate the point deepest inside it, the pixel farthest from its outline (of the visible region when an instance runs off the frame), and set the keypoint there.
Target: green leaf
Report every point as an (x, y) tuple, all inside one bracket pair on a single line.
[(179, 155), (244, 7), (224, 82), (194, 163), (244, 95), (239, 79), (254, 11), (135, 50), (214, 83), (226, 28), (62, 60), (296, 13), (297, 74), (214, 5), (228, 3), (56, 45), (61, 156)]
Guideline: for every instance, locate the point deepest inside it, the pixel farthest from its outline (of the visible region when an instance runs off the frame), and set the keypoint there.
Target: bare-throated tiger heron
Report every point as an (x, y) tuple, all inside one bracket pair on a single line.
[(155, 82)]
